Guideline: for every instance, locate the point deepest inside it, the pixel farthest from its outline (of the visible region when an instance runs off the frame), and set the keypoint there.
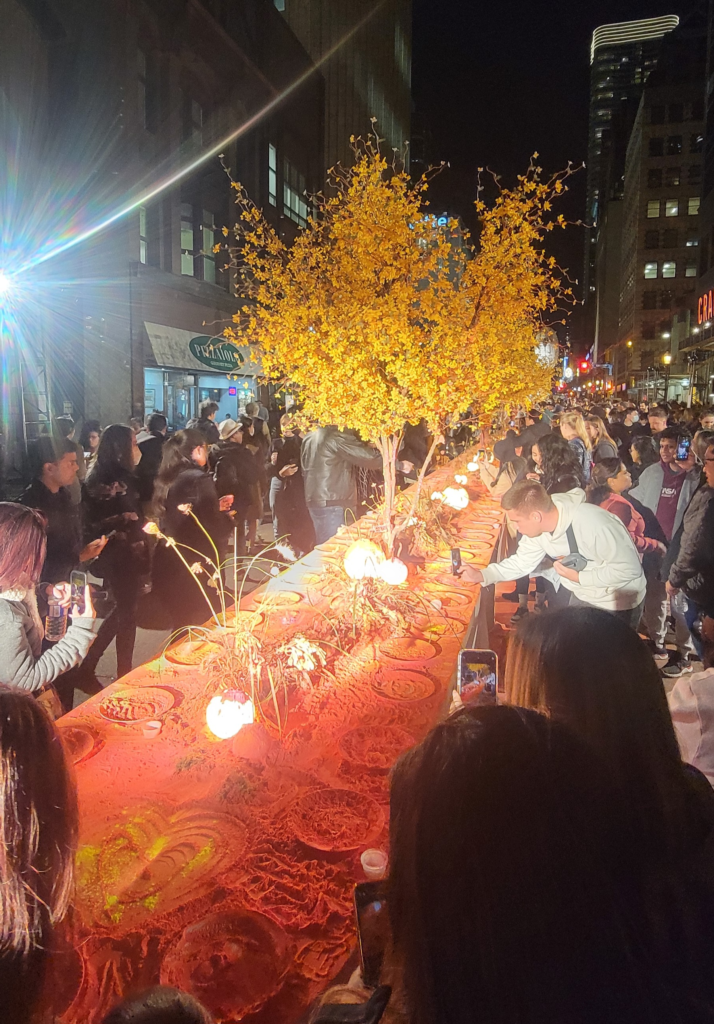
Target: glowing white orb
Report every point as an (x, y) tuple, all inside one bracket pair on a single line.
[(363, 558), (228, 712), (461, 479), (456, 497), (472, 467), (437, 496), (393, 571)]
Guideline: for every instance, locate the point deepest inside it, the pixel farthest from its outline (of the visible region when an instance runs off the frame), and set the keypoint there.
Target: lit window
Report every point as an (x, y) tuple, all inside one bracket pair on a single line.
[(690, 269), (671, 207), (208, 239), (696, 143), (650, 270), (187, 249), (272, 175), (294, 204), (653, 208), (143, 246), (669, 269), (693, 206), (674, 145), (672, 175), (691, 241), (279, 5)]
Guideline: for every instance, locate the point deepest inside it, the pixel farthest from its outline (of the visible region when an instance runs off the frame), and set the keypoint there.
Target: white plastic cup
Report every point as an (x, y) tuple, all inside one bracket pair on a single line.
[(151, 729), (374, 864)]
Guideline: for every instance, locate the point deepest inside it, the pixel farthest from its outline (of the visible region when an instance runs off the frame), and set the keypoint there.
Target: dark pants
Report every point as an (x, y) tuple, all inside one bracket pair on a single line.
[(631, 616), (120, 623), (327, 521)]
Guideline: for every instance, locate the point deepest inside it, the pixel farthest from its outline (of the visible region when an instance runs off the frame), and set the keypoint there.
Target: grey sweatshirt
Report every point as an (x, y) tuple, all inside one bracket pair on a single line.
[(22, 663)]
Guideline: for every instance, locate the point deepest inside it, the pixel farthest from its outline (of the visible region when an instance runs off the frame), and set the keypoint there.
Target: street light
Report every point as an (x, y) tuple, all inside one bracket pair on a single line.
[(666, 359)]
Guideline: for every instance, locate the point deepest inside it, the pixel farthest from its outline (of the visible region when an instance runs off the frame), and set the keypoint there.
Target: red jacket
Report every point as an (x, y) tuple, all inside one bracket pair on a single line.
[(632, 519)]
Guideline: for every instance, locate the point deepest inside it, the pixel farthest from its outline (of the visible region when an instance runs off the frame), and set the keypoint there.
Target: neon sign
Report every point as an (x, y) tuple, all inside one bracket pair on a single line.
[(705, 307)]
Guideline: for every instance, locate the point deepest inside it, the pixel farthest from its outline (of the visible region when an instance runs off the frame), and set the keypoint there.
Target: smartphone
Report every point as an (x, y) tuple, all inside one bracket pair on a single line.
[(477, 672), (683, 446), (455, 561), (574, 561), (372, 929), (78, 581)]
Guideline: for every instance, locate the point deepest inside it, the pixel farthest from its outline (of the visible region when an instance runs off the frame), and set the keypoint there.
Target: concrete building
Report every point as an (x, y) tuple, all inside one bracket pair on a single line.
[(123, 106), (622, 55), (364, 50), (660, 224)]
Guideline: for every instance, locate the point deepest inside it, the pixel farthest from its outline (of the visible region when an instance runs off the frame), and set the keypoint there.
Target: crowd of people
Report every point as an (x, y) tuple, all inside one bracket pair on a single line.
[(551, 847)]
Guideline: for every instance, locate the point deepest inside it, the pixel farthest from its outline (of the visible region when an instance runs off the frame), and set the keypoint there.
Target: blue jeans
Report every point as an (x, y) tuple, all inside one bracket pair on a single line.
[(690, 617), (327, 521)]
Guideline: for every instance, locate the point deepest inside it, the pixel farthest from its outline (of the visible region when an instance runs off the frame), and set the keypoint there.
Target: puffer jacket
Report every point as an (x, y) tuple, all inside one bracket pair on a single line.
[(328, 458), (693, 568)]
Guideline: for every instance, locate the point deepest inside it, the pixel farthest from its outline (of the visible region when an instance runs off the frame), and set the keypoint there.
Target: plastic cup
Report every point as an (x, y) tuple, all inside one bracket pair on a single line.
[(374, 864), (151, 729)]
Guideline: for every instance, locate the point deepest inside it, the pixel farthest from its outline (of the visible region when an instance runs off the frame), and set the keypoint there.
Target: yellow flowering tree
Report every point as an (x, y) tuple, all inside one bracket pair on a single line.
[(379, 315)]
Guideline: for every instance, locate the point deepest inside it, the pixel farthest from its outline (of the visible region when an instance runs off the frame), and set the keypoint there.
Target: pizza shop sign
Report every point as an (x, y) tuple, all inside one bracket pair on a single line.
[(705, 307), (216, 353)]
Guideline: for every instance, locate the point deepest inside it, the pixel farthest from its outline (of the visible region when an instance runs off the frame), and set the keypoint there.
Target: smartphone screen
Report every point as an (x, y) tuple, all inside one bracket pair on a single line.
[(372, 929), (477, 672), (455, 561), (683, 446), (78, 581)]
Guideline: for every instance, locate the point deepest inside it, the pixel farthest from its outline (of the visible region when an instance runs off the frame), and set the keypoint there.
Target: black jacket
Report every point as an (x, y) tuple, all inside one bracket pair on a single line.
[(693, 567), (207, 427), (235, 471), (328, 457), (146, 472), (108, 494), (64, 530)]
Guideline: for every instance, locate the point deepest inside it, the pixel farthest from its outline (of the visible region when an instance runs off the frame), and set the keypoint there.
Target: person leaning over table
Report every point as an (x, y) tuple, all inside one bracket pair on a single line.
[(612, 580)]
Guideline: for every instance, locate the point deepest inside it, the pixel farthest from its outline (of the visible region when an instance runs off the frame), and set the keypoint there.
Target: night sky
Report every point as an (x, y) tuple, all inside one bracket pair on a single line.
[(496, 80)]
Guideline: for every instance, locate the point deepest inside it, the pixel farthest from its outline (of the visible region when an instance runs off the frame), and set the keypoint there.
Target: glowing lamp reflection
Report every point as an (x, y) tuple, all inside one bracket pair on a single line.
[(363, 558), (393, 571), (228, 712)]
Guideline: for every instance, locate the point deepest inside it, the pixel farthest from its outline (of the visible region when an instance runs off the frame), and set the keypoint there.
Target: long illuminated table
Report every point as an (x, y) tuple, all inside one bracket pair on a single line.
[(226, 868)]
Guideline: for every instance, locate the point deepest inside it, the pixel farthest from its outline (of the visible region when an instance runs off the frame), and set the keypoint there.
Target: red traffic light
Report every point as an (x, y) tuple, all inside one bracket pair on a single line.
[(584, 365)]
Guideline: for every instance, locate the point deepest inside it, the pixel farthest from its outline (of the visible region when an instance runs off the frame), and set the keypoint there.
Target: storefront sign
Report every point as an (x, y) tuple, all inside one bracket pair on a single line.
[(216, 353), (705, 307)]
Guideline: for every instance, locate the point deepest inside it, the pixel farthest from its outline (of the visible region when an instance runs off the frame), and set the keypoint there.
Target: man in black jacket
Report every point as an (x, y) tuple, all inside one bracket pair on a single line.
[(236, 471), (151, 449), (206, 421)]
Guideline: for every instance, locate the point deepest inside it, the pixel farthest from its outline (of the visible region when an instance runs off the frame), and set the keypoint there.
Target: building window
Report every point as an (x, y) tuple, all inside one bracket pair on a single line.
[(669, 268), (650, 270), (671, 207), (653, 208), (693, 206), (697, 110), (670, 238), (657, 115), (696, 143), (674, 145), (649, 300), (143, 236), (141, 86), (294, 204), (648, 332), (208, 240), (676, 113), (666, 297), (651, 239), (672, 175), (193, 122), (654, 177), (279, 5), (656, 147), (692, 240), (187, 250), (695, 174), (690, 268), (272, 175)]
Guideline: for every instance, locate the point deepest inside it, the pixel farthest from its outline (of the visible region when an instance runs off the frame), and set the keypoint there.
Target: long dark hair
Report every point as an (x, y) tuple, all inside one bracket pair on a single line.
[(599, 486), (509, 894), (115, 453), (90, 427), (175, 458), (647, 449), (159, 1005), (561, 469)]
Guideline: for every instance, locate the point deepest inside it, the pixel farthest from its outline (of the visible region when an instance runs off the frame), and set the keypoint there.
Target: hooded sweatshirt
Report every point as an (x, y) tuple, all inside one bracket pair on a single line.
[(613, 579)]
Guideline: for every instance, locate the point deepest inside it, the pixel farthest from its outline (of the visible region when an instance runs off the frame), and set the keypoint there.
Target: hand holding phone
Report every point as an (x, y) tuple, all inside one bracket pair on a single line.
[(683, 446), (372, 929), (455, 561), (477, 673), (78, 584)]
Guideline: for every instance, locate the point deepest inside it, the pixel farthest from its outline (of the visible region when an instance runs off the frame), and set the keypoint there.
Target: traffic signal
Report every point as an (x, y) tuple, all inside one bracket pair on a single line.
[(584, 366)]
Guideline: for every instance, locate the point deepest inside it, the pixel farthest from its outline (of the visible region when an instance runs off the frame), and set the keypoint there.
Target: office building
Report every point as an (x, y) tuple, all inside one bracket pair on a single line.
[(660, 218), (622, 55), (363, 49)]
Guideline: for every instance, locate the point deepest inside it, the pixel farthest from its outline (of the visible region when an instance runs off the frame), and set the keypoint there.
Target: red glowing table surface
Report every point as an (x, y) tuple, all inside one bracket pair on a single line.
[(226, 868)]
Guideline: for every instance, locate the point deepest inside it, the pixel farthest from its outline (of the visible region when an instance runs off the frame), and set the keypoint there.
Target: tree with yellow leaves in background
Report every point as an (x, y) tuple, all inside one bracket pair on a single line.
[(377, 319)]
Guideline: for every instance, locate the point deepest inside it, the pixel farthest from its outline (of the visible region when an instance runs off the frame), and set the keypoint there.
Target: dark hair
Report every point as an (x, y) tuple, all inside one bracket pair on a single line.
[(560, 467), (38, 824), (159, 1005), (673, 433), (24, 544), (599, 486), (207, 409), (509, 894), (647, 449), (115, 451), (156, 422), (175, 457), (48, 449), (64, 425), (90, 427), (658, 411)]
